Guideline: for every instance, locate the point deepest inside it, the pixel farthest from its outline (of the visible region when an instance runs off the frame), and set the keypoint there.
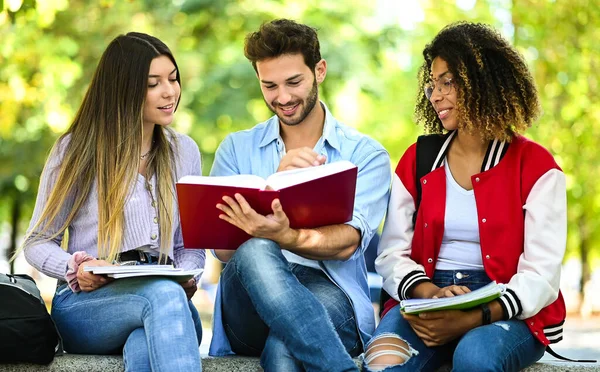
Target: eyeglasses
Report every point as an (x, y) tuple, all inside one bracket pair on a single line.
[(443, 85)]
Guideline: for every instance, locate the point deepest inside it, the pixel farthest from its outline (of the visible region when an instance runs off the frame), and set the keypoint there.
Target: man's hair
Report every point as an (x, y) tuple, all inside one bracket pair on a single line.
[(496, 94), (281, 37)]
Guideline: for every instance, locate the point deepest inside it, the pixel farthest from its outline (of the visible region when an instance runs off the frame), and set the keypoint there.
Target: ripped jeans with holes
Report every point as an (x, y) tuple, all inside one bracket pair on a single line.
[(500, 346)]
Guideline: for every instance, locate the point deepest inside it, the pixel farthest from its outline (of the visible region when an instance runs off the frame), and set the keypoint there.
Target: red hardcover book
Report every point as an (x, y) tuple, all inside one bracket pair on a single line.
[(310, 197)]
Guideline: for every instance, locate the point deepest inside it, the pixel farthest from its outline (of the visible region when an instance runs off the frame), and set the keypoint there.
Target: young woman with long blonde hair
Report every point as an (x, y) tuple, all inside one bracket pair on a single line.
[(109, 182)]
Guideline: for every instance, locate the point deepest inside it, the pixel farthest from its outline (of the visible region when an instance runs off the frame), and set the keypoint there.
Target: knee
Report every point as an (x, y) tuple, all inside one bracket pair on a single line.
[(387, 350), (165, 293), (257, 250)]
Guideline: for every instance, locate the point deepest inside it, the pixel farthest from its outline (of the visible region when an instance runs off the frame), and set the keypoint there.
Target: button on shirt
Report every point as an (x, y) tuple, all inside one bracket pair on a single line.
[(258, 151)]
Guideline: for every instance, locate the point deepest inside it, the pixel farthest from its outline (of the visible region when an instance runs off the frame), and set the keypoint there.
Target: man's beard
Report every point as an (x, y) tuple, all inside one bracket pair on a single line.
[(309, 104)]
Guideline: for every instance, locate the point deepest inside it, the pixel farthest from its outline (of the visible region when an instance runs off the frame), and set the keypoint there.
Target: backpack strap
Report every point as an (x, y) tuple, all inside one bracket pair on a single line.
[(431, 151), (558, 356)]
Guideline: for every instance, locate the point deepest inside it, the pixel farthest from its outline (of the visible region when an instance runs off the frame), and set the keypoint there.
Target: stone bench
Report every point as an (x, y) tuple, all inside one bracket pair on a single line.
[(114, 363), (108, 363)]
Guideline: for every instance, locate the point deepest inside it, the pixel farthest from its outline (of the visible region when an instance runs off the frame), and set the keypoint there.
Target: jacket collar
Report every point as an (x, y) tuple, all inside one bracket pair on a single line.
[(495, 152)]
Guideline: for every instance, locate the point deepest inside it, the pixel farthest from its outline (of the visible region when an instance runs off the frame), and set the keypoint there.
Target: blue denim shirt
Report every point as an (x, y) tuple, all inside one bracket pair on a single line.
[(258, 151)]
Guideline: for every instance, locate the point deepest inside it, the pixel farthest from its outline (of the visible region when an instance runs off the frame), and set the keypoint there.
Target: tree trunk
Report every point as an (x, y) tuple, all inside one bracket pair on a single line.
[(15, 218), (583, 255)]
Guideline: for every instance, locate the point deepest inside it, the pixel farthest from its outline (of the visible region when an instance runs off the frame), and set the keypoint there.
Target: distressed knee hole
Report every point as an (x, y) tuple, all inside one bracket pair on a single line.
[(387, 350), (504, 326)]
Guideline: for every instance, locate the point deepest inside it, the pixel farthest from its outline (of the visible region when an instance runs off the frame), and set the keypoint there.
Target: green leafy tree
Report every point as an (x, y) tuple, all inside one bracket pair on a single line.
[(560, 40), (50, 49)]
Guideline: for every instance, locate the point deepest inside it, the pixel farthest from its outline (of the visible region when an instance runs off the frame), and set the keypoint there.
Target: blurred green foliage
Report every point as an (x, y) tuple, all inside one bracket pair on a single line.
[(49, 49)]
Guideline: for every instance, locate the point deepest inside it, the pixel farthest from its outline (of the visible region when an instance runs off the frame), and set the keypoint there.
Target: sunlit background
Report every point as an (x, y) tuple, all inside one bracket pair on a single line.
[(49, 49)]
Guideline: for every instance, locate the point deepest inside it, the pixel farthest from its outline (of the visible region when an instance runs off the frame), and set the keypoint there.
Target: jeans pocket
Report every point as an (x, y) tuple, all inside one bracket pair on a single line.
[(61, 294)]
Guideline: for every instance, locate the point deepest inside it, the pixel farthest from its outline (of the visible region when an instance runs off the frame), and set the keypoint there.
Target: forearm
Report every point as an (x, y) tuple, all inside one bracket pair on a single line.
[(474, 317), (424, 290), (496, 311), (48, 258), (336, 242)]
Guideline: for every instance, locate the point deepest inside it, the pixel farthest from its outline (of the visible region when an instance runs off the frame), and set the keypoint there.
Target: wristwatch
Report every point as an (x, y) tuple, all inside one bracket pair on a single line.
[(486, 314)]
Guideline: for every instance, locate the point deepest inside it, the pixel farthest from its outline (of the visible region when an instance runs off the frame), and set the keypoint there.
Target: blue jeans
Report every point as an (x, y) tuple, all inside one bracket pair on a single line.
[(291, 315), (148, 319), (500, 346)]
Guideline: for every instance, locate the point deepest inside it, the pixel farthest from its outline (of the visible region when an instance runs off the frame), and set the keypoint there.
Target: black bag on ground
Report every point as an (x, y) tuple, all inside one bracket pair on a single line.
[(27, 333)]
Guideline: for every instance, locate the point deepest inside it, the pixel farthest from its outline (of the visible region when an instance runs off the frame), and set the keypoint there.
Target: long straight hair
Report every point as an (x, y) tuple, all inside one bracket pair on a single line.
[(105, 145)]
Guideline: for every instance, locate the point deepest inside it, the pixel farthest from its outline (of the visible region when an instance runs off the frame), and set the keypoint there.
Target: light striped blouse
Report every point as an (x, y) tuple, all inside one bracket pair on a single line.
[(141, 217)]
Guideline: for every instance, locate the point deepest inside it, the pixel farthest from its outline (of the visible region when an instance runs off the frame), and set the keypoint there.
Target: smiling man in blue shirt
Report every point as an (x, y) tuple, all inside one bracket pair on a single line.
[(296, 297)]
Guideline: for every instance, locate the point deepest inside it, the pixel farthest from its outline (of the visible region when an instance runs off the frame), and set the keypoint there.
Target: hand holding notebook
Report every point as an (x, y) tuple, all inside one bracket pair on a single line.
[(469, 300)]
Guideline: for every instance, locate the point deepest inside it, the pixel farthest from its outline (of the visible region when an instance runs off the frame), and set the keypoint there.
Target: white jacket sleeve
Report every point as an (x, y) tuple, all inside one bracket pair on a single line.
[(393, 261), (536, 283)]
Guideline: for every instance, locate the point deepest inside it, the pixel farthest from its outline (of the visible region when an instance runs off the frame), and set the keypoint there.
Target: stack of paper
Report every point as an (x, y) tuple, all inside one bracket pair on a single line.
[(129, 271), (469, 300)]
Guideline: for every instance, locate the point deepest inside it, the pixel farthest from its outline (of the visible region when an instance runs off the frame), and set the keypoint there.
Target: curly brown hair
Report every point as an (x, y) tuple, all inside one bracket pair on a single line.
[(496, 94), (280, 37)]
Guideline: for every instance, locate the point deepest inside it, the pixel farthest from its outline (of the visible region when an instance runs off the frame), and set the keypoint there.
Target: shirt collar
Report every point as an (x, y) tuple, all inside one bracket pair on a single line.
[(271, 132), (329, 129), (329, 133)]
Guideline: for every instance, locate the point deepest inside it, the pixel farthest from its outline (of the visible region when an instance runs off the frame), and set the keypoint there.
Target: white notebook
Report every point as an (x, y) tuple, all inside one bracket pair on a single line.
[(130, 271), (469, 300)]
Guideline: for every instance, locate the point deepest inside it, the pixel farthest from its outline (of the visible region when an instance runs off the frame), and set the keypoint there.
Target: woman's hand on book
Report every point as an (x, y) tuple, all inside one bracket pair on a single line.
[(451, 291), (430, 290), (90, 282), (437, 328), (274, 226), (302, 157)]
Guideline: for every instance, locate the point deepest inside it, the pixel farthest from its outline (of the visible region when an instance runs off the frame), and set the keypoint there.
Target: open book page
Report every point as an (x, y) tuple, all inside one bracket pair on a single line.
[(280, 180), (239, 180), (469, 300)]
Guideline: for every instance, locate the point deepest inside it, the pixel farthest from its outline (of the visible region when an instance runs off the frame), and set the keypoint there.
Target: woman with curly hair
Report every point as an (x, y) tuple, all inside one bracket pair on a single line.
[(492, 208)]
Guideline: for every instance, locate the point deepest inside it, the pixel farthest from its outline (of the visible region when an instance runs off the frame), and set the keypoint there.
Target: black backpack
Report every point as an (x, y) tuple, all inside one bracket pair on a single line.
[(27, 333)]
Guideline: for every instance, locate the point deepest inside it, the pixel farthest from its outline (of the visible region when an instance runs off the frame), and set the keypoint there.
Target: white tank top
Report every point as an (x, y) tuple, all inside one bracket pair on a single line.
[(460, 248)]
